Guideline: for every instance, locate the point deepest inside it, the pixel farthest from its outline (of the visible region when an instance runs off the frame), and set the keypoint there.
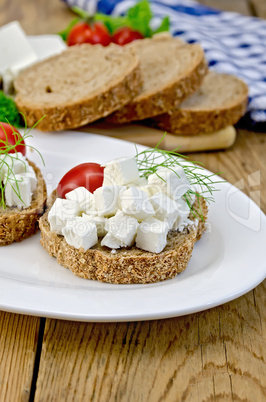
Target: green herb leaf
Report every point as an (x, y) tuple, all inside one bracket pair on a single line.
[(9, 111), (111, 23), (65, 32), (164, 27), (139, 18)]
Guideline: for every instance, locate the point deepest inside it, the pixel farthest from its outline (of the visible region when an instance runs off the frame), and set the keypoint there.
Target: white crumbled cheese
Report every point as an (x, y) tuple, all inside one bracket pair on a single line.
[(173, 182), (136, 203), (99, 221), (18, 185), (182, 220), (111, 242), (166, 209), (141, 181), (122, 227), (13, 164), (61, 212), (16, 53), (152, 235), (85, 199), (32, 176), (151, 189), (79, 232), (120, 171), (107, 199)]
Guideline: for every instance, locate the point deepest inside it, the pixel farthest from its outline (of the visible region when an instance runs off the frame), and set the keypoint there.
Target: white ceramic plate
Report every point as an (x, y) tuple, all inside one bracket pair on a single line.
[(227, 262)]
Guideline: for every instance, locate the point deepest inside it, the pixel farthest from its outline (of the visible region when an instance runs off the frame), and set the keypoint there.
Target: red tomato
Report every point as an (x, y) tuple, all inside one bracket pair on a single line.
[(88, 175), (10, 136), (125, 35), (83, 32)]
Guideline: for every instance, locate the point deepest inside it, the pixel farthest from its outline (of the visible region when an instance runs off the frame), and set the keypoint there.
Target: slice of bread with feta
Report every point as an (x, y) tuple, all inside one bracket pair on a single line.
[(220, 102), (125, 265), (17, 223), (171, 71), (82, 84)]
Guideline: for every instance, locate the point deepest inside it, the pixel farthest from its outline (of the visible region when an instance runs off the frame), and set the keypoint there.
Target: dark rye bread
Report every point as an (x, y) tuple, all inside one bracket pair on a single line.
[(18, 224), (80, 85), (171, 71), (126, 265), (220, 102)]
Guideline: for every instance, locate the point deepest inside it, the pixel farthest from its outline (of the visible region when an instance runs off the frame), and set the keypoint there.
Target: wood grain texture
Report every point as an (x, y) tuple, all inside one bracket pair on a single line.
[(239, 6), (259, 7), (18, 343)]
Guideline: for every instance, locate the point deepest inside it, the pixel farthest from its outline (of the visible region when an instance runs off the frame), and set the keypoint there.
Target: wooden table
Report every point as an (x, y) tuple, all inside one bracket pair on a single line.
[(218, 354)]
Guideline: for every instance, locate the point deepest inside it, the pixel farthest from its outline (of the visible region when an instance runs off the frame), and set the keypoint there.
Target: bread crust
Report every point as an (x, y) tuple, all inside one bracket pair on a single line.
[(185, 121), (169, 97), (16, 225), (126, 265), (85, 110)]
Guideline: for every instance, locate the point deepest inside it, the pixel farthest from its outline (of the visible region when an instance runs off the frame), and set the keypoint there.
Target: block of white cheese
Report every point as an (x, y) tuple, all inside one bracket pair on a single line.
[(136, 203), (11, 164), (120, 171), (152, 235), (32, 176), (61, 212), (111, 242), (85, 199), (79, 232), (18, 191), (99, 221), (174, 181), (16, 53), (107, 199), (182, 220), (122, 227), (166, 209)]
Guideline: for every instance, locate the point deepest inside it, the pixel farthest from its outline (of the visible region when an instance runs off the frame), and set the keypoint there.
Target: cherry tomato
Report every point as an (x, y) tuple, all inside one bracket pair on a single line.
[(10, 136), (88, 175), (125, 35), (93, 33)]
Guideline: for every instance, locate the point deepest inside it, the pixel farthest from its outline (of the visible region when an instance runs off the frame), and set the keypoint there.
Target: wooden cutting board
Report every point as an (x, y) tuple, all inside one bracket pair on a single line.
[(149, 136)]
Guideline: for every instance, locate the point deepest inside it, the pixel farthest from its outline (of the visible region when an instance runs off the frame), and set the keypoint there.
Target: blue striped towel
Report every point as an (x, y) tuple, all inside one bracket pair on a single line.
[(233, 43)]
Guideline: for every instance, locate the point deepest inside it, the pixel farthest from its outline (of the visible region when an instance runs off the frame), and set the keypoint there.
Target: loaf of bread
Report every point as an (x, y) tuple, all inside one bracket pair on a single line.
[(18, 224), (220, 102), (78, 86), (126, 265), (171, 71)]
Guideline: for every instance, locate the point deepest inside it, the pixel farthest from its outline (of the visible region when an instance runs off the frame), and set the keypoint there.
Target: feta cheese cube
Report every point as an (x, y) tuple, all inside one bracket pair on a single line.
[(122, 227), (136, 203), (80, 233), (99, 221), (173, 182), (182, 219), (151, 189), (166, 209), (106, 199), (62, 211), (141, 181), (152, 235), (32, 176), (110, 241), (16, 53), (13, 164), (18, 192), (85, 199), (120, 171)]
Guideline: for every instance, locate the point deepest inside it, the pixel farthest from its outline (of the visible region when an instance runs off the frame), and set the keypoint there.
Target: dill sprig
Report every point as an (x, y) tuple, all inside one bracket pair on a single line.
[(8, 150), (203, 184)]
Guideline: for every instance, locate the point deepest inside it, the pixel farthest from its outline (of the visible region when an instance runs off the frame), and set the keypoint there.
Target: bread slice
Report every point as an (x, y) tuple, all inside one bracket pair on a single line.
[(18, 224), (220, 102), (171, 71), (126, 265), (78, 86)]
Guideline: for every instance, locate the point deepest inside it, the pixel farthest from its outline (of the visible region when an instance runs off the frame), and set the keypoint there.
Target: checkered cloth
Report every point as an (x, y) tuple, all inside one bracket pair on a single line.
[(233, 43)]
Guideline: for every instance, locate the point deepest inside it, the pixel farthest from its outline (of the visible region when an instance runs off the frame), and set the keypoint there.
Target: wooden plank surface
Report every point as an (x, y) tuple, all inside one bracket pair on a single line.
[(18, 345), (218, 354)]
